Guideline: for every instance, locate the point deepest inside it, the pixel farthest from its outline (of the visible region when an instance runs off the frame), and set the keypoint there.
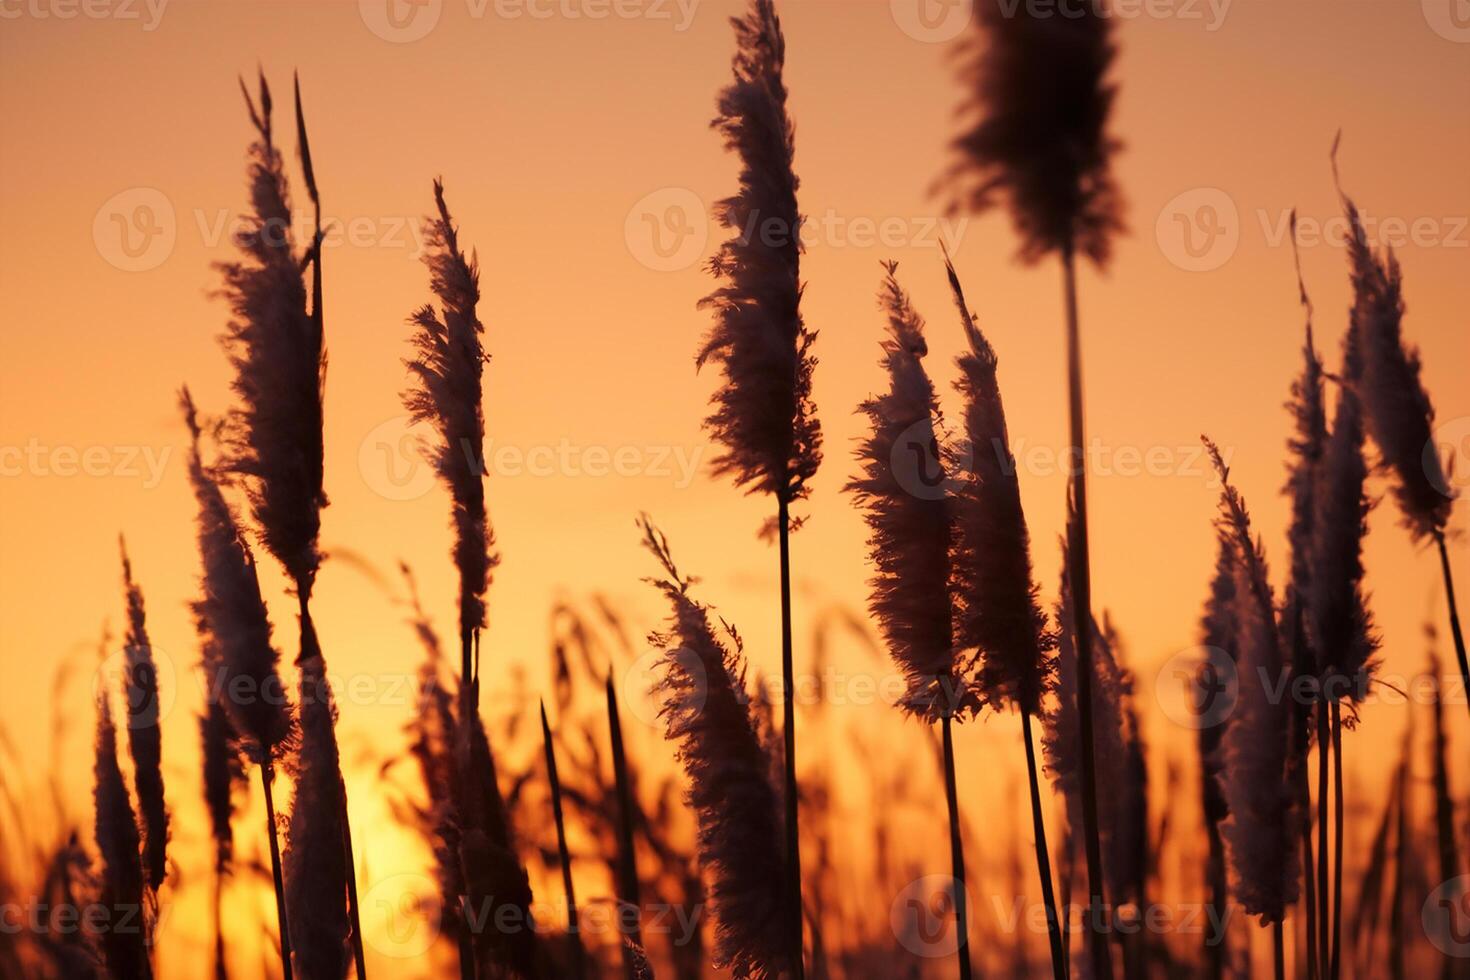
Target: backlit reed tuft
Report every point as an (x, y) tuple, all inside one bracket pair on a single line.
[(707, 714), (448, 368), (1261, 831), (274, 435), (909, 515), (763, 413), (145, 740), (121, 876)]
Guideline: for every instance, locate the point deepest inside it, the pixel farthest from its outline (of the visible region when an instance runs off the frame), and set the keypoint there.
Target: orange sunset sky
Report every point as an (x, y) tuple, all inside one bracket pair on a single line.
[(577, 159)]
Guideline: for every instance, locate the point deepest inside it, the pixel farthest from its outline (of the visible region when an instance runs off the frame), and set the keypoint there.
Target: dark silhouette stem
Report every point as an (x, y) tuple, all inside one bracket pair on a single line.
[(1449, 595), (1324, 751), (311, 647), (956, 852), (1336, 837), (221, 971), (1080, 575), (1278, 949), (628, 888), (579, 955), (267, 777), (788, 732), (1309, 861), (1043, 857)]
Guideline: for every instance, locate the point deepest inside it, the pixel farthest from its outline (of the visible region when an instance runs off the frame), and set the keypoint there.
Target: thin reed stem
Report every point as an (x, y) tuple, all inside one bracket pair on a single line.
[(1449, 595), (1309, 861), (956, 851), (221, 971), (1081, 579), (1043, 857), (1337, 809), (267, 777), (1324, 751), (1278, 949), (788, 734), (579, 955), (628, 887)]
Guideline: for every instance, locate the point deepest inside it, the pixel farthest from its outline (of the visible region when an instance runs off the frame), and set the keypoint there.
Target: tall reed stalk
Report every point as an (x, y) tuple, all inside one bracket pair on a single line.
[(235, 632), (627, 877), (998, 612), (763, 414), (1040, 99), (914, 593), (564, 857)]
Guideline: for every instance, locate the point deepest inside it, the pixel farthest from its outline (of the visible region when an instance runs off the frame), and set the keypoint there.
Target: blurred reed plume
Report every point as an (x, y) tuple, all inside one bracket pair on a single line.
[(763, 414), (1260, 832), (910, 540), (145, 741), (707, 714), (1038, 105), (127, 927), (1397, 409), (235, 636)]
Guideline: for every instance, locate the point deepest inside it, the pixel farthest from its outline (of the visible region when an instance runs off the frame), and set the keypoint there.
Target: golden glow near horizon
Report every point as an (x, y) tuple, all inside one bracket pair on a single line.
[(573, 140)]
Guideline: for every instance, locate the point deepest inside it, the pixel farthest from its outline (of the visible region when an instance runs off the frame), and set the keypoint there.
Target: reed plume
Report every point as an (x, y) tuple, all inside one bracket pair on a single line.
[(707, 714), (1039, 102), (998, 613), (1219, 631), (235, 632), (910, 532), (763, 414), (1306, 450), (1397, 409), (145, 740), (315, 859), (126, 938), (275, 344), (1260, 833), (911, 535), (448, 370)]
